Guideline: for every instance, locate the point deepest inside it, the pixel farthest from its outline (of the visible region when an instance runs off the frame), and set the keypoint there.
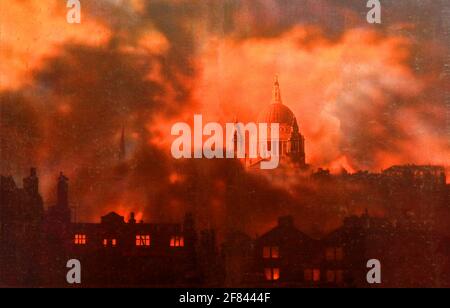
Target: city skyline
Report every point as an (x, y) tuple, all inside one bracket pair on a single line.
[(91, 93)]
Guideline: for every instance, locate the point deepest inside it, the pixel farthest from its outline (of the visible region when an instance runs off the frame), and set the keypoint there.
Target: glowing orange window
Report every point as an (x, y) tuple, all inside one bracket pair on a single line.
[(272, 274), (143, 240), (80, 239), (271, 252), (112, 242), (177, 241), (316, 275)]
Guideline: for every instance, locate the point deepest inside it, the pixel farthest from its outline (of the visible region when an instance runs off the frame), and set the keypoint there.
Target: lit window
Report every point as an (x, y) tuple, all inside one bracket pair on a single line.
[(272, 274), (312, 275), (271, 252), (177, 241), (316, 275), (80, 239), (143, 240), (112, 241)]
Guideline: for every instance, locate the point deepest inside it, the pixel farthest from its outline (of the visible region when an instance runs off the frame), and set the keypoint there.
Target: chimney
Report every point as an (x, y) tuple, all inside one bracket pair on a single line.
[(31, 183), (63, 191), (132, 220)]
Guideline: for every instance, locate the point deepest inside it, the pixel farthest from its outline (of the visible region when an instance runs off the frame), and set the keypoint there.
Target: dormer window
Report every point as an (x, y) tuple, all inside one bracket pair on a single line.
[(80, 239), (143, 240), (271, 252), (177, 241), (110, 242)]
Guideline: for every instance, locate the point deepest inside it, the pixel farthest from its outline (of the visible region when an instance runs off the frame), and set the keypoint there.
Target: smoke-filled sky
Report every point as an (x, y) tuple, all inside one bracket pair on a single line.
[(366, 96)]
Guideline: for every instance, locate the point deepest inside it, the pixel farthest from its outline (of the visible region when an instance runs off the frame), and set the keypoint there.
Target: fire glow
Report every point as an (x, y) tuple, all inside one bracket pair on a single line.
[(360, 103)]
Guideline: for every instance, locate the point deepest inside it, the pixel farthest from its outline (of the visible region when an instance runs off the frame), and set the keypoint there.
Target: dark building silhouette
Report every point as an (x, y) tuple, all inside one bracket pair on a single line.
[(238, 256), (287, 257), (36, 245), (21, 221), (117, 252)]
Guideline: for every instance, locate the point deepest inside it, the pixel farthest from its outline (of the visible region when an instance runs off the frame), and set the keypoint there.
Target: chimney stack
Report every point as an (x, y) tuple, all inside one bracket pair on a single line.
[(63, 191)]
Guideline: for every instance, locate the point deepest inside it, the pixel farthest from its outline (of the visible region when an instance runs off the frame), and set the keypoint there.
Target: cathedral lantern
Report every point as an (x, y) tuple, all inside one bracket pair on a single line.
[(291, 141)]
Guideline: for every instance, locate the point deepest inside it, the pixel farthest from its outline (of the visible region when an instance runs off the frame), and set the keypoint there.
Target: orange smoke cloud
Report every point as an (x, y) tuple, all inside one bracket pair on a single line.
[(325, 83), (149, 64), (32, 30)]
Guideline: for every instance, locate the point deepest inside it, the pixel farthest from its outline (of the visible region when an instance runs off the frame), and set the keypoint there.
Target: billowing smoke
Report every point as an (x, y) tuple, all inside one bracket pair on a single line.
[(366, 97)]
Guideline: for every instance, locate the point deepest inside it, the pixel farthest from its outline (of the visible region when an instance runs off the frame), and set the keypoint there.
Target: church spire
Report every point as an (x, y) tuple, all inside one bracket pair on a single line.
[(276, 94)]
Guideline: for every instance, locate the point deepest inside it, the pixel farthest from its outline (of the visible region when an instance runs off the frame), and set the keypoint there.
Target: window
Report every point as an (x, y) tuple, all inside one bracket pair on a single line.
[(316, 275), (271, 252), (312, 275), (143, 240), (112, 241), (335, 276), (177, 241), (272, 274), (334, 254), (80, 239)]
